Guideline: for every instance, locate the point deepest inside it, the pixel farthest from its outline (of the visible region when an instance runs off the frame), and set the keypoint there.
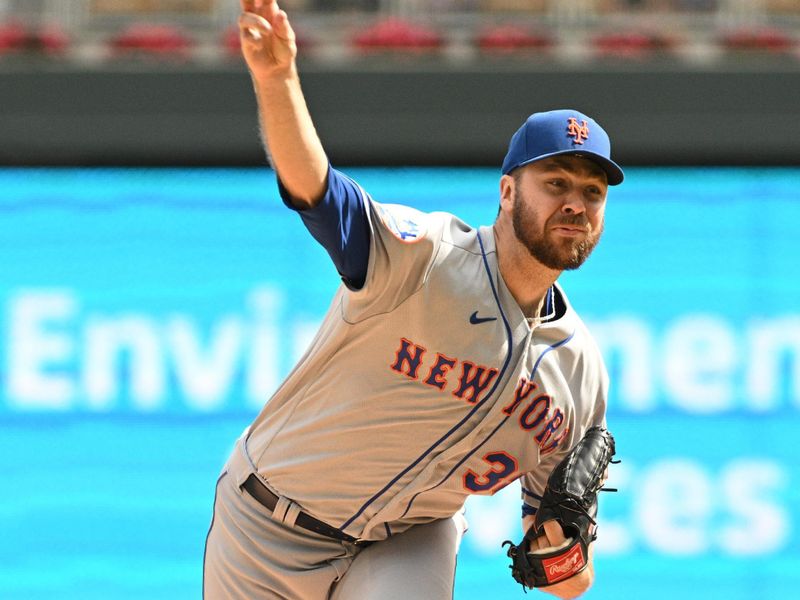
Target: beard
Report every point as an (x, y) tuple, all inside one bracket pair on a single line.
[(561, 254)]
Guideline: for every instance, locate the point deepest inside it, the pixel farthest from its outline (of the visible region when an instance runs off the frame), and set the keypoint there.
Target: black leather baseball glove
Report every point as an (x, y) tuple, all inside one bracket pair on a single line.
[(570, 498)]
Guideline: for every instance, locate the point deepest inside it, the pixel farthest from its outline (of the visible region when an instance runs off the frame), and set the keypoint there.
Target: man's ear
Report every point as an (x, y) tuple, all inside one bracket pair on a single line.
[(507, 187)]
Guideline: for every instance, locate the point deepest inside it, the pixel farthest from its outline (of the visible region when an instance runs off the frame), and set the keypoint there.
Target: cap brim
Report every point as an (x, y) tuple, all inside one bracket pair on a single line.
[(613, 171)]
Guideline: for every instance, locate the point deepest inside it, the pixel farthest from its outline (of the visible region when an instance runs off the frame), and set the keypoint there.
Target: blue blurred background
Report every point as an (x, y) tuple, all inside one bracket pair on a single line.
[(145, 315), (147, 311)]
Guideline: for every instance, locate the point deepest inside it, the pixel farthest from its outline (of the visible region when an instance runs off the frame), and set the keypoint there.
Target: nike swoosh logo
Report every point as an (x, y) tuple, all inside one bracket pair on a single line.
[(476, 320)]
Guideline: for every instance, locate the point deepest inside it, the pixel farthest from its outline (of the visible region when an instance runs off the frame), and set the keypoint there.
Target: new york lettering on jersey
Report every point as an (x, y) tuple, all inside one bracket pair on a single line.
[(535, 419)]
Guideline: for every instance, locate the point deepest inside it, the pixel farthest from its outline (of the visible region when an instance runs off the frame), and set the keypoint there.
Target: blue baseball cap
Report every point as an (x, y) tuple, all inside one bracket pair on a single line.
[(559, 132)]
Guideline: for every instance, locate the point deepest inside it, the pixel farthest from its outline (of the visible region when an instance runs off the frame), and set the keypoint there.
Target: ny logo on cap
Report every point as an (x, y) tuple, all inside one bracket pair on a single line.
[(578, 132)]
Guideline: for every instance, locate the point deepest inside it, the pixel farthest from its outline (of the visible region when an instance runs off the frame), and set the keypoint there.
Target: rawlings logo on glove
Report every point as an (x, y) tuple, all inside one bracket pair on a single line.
[(570, 498), (564, 566)]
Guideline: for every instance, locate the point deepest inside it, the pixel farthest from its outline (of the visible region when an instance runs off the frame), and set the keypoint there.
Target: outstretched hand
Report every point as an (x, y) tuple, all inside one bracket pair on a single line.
[(268, 40)]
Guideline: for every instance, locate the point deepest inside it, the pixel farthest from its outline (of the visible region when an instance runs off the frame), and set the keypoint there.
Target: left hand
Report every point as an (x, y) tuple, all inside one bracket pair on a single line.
[(577, 584)]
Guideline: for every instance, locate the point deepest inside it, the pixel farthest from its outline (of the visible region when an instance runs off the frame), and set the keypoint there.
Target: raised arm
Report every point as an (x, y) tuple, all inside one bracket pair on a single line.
[(269, 48)]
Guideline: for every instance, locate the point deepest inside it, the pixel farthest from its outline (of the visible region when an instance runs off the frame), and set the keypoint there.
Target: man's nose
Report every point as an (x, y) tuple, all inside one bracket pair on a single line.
[(573, 204)]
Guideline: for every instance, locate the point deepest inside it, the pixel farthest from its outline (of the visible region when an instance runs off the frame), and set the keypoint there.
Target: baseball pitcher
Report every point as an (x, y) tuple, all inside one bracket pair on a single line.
[(450, 363)]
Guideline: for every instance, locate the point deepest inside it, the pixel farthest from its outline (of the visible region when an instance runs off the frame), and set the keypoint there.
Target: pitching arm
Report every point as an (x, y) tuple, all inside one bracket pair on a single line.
[(292, 143)]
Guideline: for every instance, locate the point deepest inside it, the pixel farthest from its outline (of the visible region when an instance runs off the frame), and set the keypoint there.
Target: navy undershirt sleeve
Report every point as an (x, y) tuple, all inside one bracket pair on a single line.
[(339, 223)]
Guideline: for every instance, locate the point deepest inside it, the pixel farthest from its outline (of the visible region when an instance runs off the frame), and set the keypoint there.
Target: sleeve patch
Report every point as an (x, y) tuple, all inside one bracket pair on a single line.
[(406, 224)]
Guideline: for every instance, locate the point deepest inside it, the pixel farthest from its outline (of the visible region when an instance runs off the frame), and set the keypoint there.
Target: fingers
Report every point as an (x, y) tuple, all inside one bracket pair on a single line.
[(553, 538), (282, 27), (269, 11), (555, 535), (254, 28), (540, 542), (265, 8)]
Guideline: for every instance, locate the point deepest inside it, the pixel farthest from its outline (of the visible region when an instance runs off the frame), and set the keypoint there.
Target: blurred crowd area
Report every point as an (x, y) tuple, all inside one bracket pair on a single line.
[(99, 32)]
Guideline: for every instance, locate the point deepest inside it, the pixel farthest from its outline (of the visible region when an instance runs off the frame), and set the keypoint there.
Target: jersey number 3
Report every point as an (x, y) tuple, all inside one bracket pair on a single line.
[(502, 467)]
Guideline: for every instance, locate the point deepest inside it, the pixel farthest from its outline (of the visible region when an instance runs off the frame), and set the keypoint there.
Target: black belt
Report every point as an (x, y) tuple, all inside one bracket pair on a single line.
[(268, 500)]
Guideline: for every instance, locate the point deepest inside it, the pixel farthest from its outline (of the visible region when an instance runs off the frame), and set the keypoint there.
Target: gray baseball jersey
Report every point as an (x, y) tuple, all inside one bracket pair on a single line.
[(426, 385)]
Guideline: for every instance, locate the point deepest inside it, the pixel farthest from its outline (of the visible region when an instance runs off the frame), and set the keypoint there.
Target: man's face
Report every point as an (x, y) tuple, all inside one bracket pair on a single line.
[(558, 212)]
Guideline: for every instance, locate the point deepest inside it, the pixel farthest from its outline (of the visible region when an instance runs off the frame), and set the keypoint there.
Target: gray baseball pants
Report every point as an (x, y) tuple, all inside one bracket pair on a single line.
[(251, 556)]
